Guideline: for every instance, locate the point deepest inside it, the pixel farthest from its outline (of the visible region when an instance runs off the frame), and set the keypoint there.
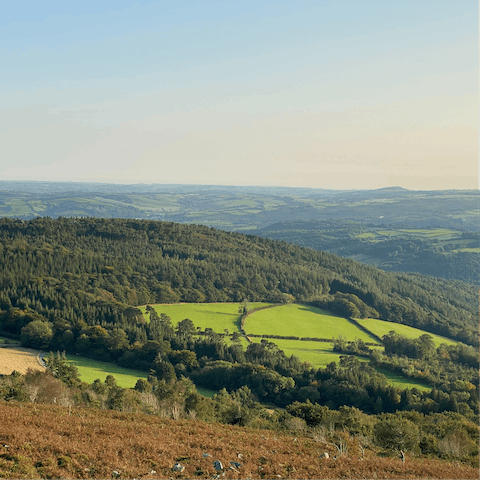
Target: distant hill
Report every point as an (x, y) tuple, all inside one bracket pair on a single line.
[(440, 252), (241, 208)]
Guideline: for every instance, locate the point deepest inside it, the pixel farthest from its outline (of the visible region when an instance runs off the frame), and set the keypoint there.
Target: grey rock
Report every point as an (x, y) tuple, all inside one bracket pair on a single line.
[(217, 464), (235, 464), (178, 468)]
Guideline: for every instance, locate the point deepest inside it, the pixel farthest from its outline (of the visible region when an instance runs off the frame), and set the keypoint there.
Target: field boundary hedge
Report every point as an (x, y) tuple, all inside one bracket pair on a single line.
[(364, 329), (245, 315), (306, 339)]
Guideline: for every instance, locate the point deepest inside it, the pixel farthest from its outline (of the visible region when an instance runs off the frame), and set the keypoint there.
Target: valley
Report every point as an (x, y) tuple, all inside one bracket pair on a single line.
[(192, 324)]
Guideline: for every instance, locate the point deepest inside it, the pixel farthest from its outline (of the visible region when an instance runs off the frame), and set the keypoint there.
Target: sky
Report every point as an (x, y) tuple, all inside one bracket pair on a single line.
[(341, 94)]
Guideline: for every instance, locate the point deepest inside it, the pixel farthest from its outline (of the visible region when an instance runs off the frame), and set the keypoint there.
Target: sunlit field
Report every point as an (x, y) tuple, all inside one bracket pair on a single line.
[(302, 321), (89, 370), (381, 328), (217, 316)]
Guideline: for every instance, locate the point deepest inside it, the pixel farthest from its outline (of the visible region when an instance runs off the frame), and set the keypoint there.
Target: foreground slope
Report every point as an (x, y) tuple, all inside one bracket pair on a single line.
[(39, 441)]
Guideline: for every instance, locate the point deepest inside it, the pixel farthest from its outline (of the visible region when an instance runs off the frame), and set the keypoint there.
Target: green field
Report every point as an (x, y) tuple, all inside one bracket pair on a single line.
[(318, 354), (302, 321), (206, 392), (89, 370), (470, 250), (366, 235), (381, 328), (217, 316), (403, 382)]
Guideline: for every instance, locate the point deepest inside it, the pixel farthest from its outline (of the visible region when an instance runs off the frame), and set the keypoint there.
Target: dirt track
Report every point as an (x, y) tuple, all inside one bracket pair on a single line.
[(19, 359)]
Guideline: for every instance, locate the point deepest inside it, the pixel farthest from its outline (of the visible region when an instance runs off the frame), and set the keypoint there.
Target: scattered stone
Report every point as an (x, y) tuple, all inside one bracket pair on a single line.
[(236, 464), (178, 468), (205, 455), (240, 456), (325, 455), (233, 469), (217, 464), (152, 472), (115, 474)]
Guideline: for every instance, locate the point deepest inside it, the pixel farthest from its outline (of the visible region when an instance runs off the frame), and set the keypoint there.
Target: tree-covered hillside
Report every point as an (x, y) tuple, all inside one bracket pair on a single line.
[(440, 252), (88, 271)]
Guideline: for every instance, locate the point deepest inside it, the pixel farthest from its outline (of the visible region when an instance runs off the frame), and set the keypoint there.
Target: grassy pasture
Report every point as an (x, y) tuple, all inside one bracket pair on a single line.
[(381, 328), (366, 235), (440, 233), (320, 354), (89, 370), (403, 382), (217, 316), (206, 392), (470, 250), (302, 321), (19, 207)]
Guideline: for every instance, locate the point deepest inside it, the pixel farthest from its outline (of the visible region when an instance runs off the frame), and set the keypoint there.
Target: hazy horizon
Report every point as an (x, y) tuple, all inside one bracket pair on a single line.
[(305, 94), (126, 184)]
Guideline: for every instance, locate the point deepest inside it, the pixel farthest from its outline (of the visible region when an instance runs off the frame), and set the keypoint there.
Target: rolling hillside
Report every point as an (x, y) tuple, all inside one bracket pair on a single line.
[(94, 270)]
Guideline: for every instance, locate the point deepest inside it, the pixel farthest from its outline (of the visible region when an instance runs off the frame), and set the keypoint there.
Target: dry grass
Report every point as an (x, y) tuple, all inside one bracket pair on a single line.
[(52, 442), (19, 359)]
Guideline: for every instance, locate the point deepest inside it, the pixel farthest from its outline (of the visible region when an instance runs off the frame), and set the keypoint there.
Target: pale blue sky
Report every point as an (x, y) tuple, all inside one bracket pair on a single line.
[(326, 94)]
